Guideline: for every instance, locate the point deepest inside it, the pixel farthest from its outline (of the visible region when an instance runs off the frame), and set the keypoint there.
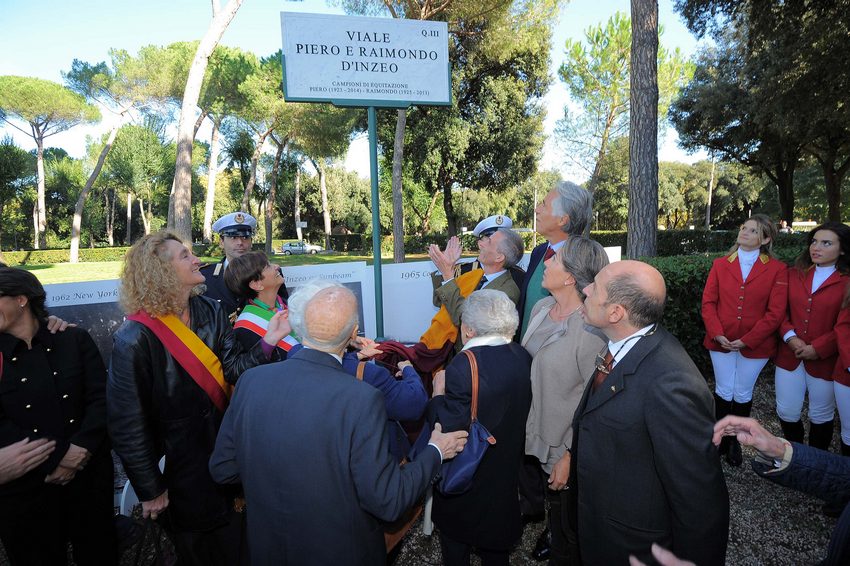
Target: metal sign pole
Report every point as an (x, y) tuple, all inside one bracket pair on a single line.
[(376, 223)]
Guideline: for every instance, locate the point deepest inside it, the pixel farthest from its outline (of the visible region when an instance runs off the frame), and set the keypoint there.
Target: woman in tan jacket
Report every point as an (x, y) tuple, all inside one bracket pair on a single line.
[(564, 355)]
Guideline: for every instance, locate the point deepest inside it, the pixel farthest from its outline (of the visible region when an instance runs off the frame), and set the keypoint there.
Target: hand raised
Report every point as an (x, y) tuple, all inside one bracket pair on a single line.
[(750, 433)]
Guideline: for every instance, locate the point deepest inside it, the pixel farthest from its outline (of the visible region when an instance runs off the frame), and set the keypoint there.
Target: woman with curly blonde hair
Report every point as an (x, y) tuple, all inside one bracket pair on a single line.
[(172, 368)]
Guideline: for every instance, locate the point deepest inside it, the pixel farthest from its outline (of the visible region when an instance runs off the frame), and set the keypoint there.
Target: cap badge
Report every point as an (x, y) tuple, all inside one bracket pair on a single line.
[(239, 218), (499, 220)]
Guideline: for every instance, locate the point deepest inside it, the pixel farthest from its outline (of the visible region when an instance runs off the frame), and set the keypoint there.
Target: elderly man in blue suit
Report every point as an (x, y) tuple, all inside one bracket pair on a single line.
[(308, 442)]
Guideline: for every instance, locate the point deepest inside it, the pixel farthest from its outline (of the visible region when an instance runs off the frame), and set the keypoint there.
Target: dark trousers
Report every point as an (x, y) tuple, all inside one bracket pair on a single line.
[(564, 539), (532, 486), (36, 526), (458, 554), (223, 546)]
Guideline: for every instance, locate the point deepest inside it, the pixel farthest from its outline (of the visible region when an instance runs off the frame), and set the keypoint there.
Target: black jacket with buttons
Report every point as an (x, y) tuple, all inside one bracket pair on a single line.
[(156, 409), (54, 390)]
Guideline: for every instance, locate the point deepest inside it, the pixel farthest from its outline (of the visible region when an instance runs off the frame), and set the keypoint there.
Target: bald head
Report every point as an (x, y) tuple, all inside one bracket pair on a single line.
[(324, 318), (639, 288)]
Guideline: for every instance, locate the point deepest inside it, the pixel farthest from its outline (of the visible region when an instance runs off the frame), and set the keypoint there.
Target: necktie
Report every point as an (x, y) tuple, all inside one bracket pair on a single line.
[(602, 370), (481, 283), (549, 253)]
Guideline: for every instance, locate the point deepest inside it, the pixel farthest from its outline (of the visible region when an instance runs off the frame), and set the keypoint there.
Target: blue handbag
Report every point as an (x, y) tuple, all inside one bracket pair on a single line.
[(457, 473)]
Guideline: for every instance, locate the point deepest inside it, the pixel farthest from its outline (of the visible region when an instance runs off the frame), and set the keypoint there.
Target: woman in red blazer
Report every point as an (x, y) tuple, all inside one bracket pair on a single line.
[(743, 304), (841, 374), (806, 360)]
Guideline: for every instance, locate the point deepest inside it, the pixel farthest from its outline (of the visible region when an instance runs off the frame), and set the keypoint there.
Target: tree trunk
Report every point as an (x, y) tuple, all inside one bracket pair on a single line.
[(2, 205), (145, 223), (398, 202), (449, 207), (297, 204), (643, 131), (323, 191), (76, 224), (252, 180), (212, 172), (710, 191), (41, 205), (35, 225), (426, 220), (784, 179), (272, 194), (109, 210), (181, 199), (129, 216)]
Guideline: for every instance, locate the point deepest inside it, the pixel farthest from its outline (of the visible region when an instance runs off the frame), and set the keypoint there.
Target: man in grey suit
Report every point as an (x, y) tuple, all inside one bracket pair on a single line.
[(643, 468), (309, 444)]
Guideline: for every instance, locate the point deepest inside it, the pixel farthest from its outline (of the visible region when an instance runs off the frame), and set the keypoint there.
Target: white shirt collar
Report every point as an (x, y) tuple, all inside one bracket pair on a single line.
[(622, 347), (748, 256), (557, 246), (491, 276), (486, 341), (337, 357)]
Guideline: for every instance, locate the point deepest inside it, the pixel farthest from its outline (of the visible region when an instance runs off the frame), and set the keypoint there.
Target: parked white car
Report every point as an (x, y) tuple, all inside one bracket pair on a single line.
[(301, 247)]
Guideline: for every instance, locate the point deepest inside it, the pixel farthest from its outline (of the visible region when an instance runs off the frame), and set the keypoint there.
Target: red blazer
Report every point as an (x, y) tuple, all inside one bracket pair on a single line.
[(812, 316), (842, 339), (748, 310)]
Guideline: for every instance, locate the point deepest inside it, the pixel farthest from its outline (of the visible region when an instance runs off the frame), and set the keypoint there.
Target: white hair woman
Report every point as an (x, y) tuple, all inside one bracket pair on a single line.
[(487, 516)]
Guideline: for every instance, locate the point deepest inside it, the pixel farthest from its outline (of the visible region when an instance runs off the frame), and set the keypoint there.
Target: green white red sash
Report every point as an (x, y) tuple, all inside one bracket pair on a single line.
[(188, 350), (255, 318)]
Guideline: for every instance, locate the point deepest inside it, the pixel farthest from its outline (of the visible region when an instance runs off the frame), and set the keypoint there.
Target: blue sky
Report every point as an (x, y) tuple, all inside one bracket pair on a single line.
[(41, 38)]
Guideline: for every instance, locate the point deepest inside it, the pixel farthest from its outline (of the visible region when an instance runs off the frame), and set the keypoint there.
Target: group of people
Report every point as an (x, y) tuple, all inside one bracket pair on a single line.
[(254, 427)]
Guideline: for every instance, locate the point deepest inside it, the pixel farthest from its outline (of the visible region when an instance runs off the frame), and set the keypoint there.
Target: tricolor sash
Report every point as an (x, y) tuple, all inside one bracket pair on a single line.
[(256, 319), (188, 350)]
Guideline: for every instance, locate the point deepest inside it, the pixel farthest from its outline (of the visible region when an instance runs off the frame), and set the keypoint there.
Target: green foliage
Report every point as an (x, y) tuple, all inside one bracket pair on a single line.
[(48, 107), (48, 257), (596, 72)]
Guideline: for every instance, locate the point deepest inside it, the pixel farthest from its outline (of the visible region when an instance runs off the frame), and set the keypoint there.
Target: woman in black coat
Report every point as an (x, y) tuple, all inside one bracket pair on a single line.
[(52, 386), (487, 517)]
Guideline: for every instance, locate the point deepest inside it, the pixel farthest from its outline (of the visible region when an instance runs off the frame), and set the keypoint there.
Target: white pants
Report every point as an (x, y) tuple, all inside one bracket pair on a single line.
[(735, 376), (791, 387), (842, 399)]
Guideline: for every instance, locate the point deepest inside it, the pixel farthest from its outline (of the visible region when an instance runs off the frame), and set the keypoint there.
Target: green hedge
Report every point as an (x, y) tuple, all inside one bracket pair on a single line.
[(46, 257)]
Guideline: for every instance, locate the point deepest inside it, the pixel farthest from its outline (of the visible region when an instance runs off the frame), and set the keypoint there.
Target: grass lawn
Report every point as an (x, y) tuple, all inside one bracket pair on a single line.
[(94, 271)]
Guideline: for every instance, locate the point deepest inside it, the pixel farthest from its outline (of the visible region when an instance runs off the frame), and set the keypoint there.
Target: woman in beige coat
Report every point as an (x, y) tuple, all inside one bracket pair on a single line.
[(564, 354)]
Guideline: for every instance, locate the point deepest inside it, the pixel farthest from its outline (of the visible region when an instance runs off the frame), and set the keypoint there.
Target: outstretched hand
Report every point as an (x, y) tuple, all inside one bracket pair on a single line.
[(23, 456), (749, 432)]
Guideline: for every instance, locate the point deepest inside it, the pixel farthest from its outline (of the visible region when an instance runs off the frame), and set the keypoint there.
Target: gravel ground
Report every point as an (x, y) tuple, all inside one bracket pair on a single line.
[(770, 525)]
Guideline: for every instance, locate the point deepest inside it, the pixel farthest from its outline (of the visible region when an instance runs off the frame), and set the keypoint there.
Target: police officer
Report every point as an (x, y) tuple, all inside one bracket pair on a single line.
[(237, 232)]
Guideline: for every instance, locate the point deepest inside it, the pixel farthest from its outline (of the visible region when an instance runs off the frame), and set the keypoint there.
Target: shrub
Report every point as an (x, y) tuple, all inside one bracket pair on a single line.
[(47, 257)]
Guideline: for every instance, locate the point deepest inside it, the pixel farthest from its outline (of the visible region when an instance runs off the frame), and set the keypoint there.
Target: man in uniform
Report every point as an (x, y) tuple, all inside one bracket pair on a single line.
[(236, 231), (500, 249)]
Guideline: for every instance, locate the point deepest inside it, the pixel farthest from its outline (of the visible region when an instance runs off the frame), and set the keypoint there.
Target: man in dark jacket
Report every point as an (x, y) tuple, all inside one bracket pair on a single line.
[(643, 466), (309, 445)]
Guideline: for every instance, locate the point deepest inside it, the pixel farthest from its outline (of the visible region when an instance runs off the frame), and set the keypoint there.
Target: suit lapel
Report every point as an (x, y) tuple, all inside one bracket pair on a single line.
[(759, 268), (615, 383), (834, 278)]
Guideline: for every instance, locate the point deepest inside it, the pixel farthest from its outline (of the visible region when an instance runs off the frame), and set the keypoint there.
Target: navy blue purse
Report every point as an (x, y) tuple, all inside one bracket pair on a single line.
[(457, 473)]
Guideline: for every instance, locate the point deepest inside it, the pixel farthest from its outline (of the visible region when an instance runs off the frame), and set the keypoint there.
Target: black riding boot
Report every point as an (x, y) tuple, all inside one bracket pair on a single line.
[(793, 432), (721, 409), (820, 435), (734, 456)]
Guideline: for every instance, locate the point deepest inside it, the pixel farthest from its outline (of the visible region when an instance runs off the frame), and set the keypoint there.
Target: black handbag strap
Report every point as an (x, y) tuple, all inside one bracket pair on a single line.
[(473, 366)]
